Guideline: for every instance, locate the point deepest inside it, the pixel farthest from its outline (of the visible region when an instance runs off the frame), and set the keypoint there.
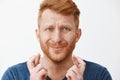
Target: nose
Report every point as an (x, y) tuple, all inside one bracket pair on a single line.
[(57, 36)]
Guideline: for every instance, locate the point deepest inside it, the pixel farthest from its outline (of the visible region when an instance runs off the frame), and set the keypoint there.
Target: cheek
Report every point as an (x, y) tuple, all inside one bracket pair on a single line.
[(44, 37), (70, 38)]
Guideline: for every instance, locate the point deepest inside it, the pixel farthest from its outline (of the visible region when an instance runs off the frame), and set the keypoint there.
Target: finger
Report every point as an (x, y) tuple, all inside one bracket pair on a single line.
[(37, 59), (68, 77), (81, 65), (78, 61), (37, 68), (43, 74), (75, 60), (75, 69), (30, 62), (39, 75), (71, 75)]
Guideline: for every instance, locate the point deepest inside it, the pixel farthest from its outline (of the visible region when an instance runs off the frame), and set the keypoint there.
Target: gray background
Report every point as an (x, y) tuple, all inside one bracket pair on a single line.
[(100, 41)]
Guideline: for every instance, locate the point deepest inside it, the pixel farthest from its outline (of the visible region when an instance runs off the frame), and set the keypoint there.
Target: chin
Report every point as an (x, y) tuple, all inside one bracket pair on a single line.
[(57, 60), (59, 57)]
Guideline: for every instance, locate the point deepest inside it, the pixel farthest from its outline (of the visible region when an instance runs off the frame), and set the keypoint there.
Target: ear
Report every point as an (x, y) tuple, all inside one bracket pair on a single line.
[(78, 34), (37, 34)]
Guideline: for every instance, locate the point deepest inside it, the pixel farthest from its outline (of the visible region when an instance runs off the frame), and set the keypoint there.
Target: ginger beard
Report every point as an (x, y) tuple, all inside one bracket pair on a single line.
[(58, 55)]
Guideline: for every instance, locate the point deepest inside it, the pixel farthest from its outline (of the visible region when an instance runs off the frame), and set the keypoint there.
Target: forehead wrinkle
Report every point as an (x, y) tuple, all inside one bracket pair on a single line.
[(59, 24)]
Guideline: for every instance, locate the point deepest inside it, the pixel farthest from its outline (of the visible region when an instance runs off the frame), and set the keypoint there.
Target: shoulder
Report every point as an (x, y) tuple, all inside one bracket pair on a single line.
[(16, 72), (19, 67), (91, 65), (96, 71)]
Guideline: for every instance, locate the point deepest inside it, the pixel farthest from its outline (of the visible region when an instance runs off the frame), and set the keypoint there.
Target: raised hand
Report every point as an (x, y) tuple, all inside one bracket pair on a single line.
[(37, 72), (77, 70)]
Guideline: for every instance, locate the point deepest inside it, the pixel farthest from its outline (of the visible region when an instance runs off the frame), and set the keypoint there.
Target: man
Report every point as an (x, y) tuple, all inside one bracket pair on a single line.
[(57, 34)]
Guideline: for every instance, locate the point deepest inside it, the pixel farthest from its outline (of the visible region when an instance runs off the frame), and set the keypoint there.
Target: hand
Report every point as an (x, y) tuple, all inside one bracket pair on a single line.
[(37, 72), (77, 70)]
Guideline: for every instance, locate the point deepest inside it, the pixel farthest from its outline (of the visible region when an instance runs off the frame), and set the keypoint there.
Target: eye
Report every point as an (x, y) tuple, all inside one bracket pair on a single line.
[(50, 29), (66, 29)]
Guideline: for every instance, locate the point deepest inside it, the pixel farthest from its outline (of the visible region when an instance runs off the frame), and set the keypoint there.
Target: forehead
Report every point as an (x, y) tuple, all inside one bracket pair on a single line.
[(50, 17)]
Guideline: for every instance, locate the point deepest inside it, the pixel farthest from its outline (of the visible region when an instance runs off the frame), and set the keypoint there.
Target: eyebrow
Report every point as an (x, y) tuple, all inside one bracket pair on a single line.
[(64, 24)]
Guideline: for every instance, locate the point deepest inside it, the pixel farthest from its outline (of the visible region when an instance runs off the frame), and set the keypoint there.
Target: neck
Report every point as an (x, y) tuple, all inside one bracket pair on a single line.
[(56, 70)]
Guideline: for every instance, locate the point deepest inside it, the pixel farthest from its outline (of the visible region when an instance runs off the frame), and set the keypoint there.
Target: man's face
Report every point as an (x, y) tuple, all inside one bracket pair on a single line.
[(57, 35)]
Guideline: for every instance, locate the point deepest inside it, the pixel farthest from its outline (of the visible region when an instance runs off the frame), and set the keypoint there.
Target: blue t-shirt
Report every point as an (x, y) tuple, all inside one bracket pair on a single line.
[(93, 71)]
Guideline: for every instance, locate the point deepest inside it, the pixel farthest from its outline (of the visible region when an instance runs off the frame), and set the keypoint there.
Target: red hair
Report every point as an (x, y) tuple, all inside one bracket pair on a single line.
[(64, 7)]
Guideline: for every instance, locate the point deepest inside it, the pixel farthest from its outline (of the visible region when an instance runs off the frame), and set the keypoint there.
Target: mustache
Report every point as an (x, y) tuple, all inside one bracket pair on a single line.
[(57, 44)]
